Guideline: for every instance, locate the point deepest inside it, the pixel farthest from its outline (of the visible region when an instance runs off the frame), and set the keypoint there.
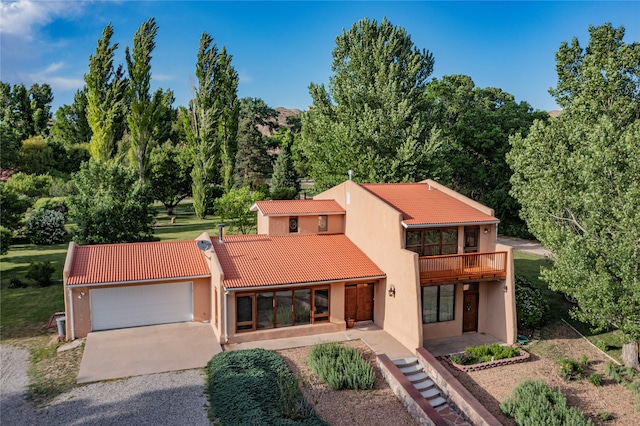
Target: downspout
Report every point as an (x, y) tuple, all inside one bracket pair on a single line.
[(73, 326), (226, 318)]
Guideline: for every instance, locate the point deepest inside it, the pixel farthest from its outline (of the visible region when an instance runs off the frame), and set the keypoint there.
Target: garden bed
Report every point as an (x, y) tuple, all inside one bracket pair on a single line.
[(524, 356)]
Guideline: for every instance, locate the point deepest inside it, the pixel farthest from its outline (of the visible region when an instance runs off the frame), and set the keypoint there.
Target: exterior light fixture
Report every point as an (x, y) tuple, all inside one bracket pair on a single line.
[(392, 291), (486, 230)]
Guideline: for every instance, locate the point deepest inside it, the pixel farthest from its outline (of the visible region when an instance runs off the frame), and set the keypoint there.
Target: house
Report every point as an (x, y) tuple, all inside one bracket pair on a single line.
[(418, 259)]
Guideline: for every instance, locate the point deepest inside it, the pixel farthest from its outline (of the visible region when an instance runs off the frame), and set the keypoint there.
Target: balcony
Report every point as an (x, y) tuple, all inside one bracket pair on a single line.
[(463, 267)]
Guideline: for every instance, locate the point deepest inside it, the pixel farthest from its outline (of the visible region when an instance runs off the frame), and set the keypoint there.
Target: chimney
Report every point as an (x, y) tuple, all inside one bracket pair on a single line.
[(221, 232), (350, 174)]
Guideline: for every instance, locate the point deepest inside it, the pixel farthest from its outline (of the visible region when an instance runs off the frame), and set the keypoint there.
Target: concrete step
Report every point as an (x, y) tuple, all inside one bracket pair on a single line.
[(411, 369), (417, 377), (438, 402), (430, 393), (404, 362), (424, 385)]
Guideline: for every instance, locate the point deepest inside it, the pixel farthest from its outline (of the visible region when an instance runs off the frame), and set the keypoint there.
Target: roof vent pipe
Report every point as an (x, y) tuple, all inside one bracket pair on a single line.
[(350, 174), (221, 232)]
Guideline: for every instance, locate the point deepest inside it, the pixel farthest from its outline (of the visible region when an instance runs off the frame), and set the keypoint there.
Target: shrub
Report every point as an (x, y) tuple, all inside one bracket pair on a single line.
[(604, 416), (531, 307), (59, 204), (16, 283), (484, 353), (602, 345), (251, 387), (570, 368), (5, 239), (341, 366), (41, 272), (31, 185), (595, 379), (584, 360), (533, 403), (45, 227)]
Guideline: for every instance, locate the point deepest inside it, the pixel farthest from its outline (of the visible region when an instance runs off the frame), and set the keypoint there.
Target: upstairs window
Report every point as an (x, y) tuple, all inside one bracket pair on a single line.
[(293, 224), (433, 242), (322, 223)]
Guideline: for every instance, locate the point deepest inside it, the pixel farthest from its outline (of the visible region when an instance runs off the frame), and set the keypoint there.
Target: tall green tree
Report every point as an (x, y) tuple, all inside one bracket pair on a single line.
[(373, 118), (252, 160), (169, 171), (475, 126), (106, 94), (258, 112), (576, 177), (144, 109), (284, 183), (227, 111), (71, 126), (40, 97)]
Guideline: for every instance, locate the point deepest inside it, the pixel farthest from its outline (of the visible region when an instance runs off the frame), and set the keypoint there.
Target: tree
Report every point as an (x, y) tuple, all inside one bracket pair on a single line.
[(105, 91), (144, 109), (257, 110), (13, 205), (35, 156), (373, 119), (226, 106), (71, 126), (475, 126), (112, 205), (284, 183), (234, 206), (40, 97), (252, 160), (576, 177), (170, 174)]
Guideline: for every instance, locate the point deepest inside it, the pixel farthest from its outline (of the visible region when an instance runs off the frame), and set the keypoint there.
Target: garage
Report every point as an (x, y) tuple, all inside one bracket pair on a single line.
[(140, 305)]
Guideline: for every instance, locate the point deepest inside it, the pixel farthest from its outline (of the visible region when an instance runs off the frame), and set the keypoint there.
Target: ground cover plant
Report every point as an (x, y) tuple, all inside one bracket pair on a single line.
[(341, 367), (255, 386), (534, 403), (485, 353)]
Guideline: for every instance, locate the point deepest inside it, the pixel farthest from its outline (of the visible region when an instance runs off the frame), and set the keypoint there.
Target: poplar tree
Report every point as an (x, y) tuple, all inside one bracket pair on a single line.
[(105, 91), (227, 109), (144, 109)]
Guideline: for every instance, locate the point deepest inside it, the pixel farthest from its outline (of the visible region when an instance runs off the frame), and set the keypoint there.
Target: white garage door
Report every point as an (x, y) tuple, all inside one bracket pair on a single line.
[(134, 306)]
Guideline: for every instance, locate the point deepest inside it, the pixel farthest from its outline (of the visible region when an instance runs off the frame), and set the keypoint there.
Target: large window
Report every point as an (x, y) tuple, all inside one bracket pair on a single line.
[(433, 242), (438, 303), (284, 308)]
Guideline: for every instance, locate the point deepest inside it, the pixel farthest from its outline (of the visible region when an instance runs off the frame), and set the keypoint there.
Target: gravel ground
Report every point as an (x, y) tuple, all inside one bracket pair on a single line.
[(175, 398)]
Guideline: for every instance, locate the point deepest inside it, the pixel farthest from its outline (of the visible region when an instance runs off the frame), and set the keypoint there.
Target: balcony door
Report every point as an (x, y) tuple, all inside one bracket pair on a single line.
[(471, 239)]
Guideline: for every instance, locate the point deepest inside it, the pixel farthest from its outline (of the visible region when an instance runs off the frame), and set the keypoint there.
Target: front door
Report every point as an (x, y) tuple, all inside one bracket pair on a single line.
[(470, 315), (358, 302)]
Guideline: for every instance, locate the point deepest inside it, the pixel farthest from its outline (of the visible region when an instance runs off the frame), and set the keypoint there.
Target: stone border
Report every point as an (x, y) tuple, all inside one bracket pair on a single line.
[(524, 356)]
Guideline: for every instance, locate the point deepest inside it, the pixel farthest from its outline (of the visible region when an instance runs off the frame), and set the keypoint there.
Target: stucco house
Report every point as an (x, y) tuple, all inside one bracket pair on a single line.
[(418, 259)]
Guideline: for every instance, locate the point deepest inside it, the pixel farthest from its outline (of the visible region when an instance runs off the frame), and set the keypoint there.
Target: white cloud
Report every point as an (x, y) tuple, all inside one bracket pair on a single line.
[(19, 17), (54, 67), (56, 82)]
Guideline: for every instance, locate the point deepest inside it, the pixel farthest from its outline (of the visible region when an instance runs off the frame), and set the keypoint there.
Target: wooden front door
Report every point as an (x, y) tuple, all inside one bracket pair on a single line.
[(358, 302), (470, 314)]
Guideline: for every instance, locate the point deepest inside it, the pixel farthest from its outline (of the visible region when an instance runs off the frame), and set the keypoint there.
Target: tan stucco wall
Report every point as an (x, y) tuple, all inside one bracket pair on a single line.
[(279, 225), (497, 307), (81, 297), (375, 228)]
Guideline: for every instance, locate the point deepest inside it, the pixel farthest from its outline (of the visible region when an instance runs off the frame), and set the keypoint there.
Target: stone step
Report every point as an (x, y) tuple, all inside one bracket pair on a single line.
[(404, 362), (424, 385), (411, 369), (430, 393), (438, 402), (417, 377)]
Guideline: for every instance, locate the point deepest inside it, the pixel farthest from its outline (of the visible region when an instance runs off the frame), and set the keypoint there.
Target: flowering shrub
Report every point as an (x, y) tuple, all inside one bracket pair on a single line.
[(531, 307), (45, 227)]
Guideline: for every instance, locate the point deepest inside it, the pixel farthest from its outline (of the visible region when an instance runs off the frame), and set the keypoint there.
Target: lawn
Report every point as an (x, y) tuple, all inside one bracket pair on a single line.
[(528, 265)]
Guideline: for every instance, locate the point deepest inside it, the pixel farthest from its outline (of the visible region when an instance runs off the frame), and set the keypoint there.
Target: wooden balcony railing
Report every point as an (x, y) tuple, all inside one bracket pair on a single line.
[(463, 267)]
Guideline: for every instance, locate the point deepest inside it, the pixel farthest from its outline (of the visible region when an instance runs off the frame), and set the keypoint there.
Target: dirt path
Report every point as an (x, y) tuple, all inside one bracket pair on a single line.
[(527, 246)]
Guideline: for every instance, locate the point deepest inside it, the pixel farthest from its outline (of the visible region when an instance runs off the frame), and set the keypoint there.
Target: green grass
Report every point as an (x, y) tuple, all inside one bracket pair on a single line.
[(528, 265)]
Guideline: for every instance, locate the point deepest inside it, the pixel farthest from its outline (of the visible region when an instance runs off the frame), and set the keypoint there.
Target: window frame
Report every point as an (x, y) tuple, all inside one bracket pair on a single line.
[(323, 223), (438, 298), (321, 318), (421, 247)]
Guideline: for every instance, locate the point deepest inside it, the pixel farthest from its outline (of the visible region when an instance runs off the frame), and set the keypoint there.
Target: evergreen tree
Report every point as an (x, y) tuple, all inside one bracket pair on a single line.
[(284, 183), (252, 160)]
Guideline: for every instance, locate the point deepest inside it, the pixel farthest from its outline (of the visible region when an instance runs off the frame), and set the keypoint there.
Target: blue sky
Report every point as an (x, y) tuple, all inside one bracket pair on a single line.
[(278, 48)]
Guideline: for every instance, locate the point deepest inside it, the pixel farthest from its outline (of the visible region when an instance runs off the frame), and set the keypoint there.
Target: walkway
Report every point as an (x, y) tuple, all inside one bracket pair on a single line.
[(526, 246), (452, 345)]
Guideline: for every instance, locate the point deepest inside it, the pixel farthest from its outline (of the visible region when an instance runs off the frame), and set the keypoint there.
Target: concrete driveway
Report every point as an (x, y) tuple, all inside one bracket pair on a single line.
[(114, 354)]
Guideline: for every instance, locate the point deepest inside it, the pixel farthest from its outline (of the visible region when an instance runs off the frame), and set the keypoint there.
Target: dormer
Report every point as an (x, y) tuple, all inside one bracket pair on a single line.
[(291, 217)]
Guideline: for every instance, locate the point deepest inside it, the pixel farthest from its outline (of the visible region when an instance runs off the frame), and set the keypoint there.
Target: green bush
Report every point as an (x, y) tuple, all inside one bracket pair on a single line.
[(341, 366), (16, 282), (255, 387), (5, 239), (485, 353), (570, 369), (533, 403), (532, 308), (45, 227), (32, 185), (41, 272), (595, 379), (59, 204)]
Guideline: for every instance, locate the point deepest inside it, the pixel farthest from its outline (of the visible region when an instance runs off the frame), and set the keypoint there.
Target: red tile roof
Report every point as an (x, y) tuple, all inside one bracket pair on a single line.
[(420, 205), (110, 263), (262, 260), (297, 207)]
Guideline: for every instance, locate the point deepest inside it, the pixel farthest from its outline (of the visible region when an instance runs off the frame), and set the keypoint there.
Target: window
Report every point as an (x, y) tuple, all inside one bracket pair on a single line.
[(285, 308), (433, 242), (438, 303), (322, 223), (293, 224)]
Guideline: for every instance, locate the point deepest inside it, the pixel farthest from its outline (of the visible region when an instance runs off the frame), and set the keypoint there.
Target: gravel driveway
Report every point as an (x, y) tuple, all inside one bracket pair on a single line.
[(175, 398)]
